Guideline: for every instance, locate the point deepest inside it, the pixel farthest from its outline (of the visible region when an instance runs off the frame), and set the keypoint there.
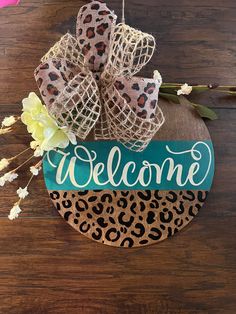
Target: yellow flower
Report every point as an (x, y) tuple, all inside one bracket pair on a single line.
[(44, 130)]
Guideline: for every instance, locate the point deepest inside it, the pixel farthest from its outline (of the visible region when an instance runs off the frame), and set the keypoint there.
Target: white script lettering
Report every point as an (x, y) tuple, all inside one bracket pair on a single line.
[(82, 167)]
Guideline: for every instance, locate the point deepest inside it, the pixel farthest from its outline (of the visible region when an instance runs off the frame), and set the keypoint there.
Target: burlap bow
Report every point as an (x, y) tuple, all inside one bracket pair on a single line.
[(88, 80)]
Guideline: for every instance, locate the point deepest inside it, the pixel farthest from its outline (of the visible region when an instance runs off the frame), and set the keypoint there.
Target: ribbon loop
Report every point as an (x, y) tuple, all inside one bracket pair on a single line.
[(122, 122), (130, 51), (94, 27), (78, 106), (67, 48), (71, 95)]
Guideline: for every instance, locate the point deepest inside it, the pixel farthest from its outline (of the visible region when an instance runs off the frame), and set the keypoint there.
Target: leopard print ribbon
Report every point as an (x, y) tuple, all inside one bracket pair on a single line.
[(88, 81)]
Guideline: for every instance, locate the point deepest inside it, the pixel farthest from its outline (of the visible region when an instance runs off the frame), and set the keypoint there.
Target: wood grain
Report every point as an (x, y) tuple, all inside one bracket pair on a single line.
[(47, 267)]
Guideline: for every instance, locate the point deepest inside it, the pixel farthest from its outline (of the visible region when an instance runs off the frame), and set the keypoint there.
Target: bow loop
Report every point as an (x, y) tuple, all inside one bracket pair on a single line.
[(67, 48), (93, 30), (70, 94), (78, 106), (130, 51), (130, 114)]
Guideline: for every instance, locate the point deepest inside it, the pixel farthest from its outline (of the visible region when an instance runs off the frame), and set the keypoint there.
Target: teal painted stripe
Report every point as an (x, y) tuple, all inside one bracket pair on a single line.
[(164, 165)]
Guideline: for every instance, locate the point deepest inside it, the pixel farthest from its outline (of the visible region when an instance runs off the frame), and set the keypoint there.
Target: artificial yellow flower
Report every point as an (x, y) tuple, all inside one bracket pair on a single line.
[(43, 128)]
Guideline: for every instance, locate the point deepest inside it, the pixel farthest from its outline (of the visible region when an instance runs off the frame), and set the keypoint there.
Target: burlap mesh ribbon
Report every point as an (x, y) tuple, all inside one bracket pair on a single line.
[(88, 81)]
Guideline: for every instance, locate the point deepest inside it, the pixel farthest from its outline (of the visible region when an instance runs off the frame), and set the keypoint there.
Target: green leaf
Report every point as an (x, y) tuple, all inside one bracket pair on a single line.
[(170, 97), (205, 112)]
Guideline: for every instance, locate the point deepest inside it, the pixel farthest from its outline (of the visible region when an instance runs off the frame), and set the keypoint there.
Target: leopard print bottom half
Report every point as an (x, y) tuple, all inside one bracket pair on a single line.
[(128, 218)]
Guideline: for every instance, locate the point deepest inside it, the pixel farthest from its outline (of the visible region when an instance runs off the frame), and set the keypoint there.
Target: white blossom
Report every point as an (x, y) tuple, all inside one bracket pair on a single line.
[(8, 121), (11, 176), (185, 90), (15, 211), (157, 76), (38, 152), (34, 145), (22, 193), (3, 163), (2, 181), (35, 170), (4, 131), (8, 177)]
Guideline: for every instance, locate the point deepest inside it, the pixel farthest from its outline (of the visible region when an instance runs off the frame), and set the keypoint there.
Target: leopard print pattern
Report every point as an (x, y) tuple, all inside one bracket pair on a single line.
[(52, 83), (93, 30), (128, 218), (141, 94)]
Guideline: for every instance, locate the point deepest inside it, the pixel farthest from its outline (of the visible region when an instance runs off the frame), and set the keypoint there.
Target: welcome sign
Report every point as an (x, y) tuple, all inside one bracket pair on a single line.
[(164, 165)]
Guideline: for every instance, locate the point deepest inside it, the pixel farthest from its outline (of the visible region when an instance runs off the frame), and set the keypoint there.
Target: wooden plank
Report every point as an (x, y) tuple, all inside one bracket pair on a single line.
[(46, 267)]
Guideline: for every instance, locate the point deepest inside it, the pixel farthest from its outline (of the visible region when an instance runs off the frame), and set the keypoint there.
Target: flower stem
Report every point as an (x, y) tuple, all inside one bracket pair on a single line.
[(223, 88), (21, 153), (38, 165), (31, 178), (25, 162), (170, 85)]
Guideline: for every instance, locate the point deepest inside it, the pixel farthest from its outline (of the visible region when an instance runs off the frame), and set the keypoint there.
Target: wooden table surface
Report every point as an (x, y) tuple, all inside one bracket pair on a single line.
[(45, 266)]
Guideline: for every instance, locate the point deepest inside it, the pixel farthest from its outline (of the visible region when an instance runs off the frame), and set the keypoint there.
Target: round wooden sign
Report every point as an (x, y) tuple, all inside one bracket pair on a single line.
[(127, 199)]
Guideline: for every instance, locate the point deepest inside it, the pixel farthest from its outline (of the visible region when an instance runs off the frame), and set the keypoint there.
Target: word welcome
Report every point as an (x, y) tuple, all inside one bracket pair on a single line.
[(164, 165)]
